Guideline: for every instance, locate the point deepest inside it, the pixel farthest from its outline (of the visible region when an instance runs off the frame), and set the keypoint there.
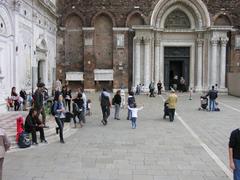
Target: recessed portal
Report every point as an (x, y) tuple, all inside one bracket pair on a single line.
[(176, 63)]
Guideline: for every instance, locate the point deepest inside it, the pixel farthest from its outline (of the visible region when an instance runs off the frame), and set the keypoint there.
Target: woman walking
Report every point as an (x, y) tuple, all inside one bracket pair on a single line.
[(78, 105), (4, 146), (60, 110), (117, 103)]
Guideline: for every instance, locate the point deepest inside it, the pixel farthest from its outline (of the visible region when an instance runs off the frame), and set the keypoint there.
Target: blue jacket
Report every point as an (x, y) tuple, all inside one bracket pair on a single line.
[(58, 106)]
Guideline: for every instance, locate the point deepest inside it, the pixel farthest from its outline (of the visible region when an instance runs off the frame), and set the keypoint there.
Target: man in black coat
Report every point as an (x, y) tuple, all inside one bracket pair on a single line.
[(39, 102)]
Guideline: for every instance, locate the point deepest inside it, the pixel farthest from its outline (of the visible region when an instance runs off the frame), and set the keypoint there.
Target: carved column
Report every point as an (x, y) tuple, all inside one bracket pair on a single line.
[(137, 62), (213, 70), (223, 63), (157, 61), (147, 60), (161, 63), (199, 64)]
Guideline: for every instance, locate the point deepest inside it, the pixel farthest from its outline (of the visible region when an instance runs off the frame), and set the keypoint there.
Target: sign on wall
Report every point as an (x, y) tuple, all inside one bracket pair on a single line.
[(120, 40), (237, 42)]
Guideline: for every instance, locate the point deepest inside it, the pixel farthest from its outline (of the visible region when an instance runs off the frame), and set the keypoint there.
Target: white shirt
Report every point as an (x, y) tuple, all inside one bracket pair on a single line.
[(134, 111)]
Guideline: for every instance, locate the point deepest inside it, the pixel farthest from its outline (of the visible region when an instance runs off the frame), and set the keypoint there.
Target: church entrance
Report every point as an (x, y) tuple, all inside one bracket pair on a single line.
[(176, 64), (40, 71)]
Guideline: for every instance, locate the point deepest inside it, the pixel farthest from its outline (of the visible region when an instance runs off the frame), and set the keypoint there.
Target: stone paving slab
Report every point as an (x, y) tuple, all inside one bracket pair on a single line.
[(156, 150)]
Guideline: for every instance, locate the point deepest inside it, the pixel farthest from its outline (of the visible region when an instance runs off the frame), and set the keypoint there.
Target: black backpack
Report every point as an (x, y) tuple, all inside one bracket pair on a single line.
[(104, 100), (24, 140)]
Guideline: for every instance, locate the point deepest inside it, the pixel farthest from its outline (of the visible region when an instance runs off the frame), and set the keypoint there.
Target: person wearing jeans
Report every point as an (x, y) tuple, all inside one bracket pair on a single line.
[(234, 153), (134, 112), (213, 94), (172, 103), (60, 111), (4, 146)]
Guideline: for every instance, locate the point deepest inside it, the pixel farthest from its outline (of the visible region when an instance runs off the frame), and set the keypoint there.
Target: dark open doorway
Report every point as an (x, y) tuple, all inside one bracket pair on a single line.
[(176, 63)]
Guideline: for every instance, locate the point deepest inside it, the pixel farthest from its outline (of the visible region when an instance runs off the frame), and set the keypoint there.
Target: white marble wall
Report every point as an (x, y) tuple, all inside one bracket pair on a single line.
[(31, 25)]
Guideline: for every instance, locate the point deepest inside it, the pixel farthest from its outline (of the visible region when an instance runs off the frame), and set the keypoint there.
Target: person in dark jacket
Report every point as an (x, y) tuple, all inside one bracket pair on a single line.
[(67, 94), (78, 105), (117, 103), (60, 115), (213, 94), (32, 125), (39, 102), (131, 102)]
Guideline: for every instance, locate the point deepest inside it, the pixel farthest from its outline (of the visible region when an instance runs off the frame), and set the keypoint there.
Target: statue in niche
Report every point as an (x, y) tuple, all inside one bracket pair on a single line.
[(177, 20)]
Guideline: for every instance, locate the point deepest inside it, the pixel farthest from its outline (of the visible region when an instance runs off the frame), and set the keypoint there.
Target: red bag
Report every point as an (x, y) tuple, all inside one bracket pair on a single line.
[(20, 129)]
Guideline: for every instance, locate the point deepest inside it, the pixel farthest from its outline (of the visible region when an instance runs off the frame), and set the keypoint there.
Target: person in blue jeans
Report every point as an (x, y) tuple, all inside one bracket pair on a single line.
[(234, 153), (212, 99), (134, 114), (131, 102)]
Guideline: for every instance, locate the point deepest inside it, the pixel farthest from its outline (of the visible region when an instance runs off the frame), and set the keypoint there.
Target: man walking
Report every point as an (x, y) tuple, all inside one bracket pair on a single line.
[(151, 89), (159, 86), (234, 153), (39, 102), (172, 103), (105, 105), (212, 99)]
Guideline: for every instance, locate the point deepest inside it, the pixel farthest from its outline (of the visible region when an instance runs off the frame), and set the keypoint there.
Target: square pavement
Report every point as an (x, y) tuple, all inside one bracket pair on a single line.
[(156, 150)]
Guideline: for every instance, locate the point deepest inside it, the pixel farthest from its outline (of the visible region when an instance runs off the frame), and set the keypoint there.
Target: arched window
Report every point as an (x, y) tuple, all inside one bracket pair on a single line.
[(177, 20), (222, 20)]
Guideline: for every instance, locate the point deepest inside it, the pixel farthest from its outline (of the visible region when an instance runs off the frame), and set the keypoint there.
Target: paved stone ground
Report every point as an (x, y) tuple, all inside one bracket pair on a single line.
[(156, 150)]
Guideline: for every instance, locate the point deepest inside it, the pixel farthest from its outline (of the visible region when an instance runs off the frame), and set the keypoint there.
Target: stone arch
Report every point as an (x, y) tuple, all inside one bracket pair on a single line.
[(69, 14), (73, 43), (197, 8), (105, 13), (6, 21), (181, 8), (135, 18), (103, 41), (222, 20)]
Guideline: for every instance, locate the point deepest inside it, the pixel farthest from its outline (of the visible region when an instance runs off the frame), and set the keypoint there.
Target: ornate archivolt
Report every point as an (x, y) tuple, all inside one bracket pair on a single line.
[(193, 8), (5, 21)]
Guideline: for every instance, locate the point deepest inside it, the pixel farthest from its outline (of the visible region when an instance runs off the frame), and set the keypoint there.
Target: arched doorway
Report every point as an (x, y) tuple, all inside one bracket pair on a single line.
[(40, 71)]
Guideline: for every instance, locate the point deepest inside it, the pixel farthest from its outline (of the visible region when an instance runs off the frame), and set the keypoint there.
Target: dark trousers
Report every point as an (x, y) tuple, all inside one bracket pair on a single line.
[(151, 92), (16, 105), (1, 167), (60, 123), (171, 114), (79, 116), (159, 91), (105, 112), (68, 104), (43, 114), (34, 134)]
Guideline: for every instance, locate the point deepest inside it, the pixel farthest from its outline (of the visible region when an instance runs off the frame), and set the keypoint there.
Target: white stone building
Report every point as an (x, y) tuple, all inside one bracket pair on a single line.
[(181, 39), (27, 45)]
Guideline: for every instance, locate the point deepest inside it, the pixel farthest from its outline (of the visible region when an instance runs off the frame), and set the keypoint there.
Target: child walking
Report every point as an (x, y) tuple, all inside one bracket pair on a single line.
[(134, 114)]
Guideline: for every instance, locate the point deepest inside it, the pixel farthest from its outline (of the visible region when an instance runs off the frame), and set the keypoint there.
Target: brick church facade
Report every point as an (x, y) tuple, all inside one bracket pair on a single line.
[(121, 43)]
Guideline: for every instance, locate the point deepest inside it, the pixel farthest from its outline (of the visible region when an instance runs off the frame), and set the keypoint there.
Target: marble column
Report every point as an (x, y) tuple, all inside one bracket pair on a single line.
[(213, 70), (223, 63), (147, 64), (161, 64), (137, 62), (157, 61), (199, 64)]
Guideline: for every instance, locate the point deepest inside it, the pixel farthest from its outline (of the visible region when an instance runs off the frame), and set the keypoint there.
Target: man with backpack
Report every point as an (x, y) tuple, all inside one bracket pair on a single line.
[(105, 105)]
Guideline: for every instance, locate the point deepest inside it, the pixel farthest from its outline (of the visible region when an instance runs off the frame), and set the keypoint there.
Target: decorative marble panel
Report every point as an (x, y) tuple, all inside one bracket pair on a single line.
[(103, 74), (177, 20), (74, 76)]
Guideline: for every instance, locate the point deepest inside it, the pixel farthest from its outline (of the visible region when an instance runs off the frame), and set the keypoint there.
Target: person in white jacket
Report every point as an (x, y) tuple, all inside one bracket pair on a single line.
[(134, 115), (4, 146)]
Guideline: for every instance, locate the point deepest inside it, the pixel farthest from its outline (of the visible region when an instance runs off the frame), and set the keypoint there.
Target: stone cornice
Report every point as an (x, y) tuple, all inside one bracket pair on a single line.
[(49, 5)]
